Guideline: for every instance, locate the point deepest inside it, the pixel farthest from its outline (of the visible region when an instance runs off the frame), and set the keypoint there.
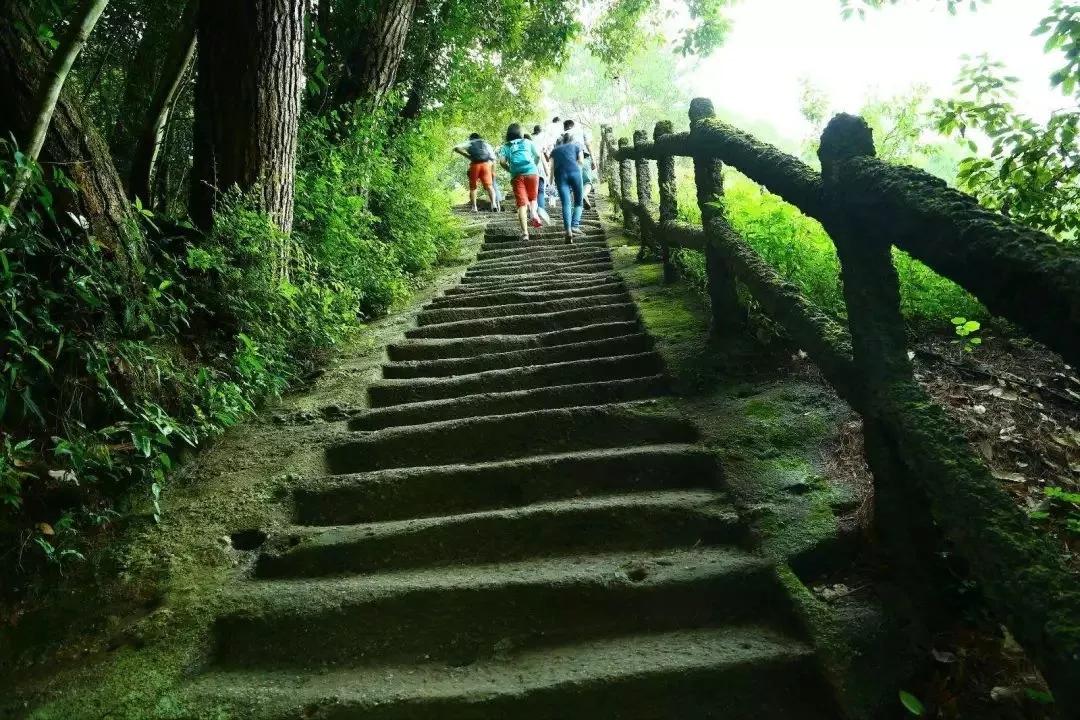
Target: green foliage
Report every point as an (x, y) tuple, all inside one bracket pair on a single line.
[(912, 704), (1032, 172), (1065, 504), (627, 25), (965, 330), (857, 8)]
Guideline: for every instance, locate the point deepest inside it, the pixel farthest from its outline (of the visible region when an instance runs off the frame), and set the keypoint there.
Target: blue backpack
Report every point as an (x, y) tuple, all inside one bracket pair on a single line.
[(521, 158)]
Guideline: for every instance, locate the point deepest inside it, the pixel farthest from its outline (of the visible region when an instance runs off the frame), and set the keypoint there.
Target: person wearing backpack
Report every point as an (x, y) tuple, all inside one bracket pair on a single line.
[(521, 158), (481, 157)]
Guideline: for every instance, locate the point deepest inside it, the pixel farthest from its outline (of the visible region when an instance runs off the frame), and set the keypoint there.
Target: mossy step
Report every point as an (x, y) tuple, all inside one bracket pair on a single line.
[(622, 345), (602, 286), (550, 279), (560, 254), (445, 348), (639, 521), (434, 316), (525, 275), (565, 283), (399, 494), (528, 324), (497, 252), (505, 436), (384, 393), (734, 673), (533, 269), (461, 614), (499, 403)]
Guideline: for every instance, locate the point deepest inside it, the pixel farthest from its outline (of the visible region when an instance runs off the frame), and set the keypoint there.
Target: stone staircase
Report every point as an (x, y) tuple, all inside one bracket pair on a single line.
[(514, 530)]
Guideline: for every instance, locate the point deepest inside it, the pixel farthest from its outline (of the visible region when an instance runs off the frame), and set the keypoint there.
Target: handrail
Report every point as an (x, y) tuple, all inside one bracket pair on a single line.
[(927, 479)]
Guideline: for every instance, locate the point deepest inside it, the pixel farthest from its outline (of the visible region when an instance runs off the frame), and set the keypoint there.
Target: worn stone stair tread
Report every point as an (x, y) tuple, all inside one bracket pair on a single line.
[(442, 348), (534, 266), (401, 493), (555, 282), (593, 392), (433, 316), (510, 297), (495, 252), (527, 324), (608, 347), (734, 673), (507, 436), (577, 271), (570, 253), (388, 392), (643, 520), (460, 613)]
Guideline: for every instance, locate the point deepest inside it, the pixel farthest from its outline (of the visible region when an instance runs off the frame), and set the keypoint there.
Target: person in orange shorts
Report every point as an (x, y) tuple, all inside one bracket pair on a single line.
[(481, 157), (521, 157)]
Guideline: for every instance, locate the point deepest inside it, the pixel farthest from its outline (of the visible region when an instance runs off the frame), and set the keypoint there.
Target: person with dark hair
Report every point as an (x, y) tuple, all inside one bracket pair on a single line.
[(520, 157), (481, 157), (539, 139), (566, 160), (581, 137)]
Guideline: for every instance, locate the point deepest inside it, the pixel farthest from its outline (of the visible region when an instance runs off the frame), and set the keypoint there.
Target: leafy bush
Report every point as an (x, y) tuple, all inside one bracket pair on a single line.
[(111, 373)]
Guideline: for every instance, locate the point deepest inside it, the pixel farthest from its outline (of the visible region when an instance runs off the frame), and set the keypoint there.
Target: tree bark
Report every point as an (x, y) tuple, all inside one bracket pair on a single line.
[(49, 89), (247, 104), (71, 144), (371, 67), (179, 57)]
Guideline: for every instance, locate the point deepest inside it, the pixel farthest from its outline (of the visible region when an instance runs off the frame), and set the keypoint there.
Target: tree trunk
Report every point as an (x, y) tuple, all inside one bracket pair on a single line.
[(72, 143), (49, 89), (247, 103), (371, 67), (179, 57), (139, 83)]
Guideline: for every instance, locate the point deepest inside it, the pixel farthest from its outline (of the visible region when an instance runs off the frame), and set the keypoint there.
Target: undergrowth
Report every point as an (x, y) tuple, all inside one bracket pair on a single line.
[(112, 373)]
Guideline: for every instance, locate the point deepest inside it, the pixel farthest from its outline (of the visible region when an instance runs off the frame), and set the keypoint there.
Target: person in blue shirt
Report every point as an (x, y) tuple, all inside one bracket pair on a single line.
[(521, 158), (567, 159)]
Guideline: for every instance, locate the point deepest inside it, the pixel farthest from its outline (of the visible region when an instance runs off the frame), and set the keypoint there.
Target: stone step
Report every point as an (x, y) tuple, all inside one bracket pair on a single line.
[(524, 277), (528, 324), (739, 672), (463, 614), (529, 269), (622, 345), (509, 297), (641, 521), (384, 393), (514, 401), (561, 254), (506, 436), (436, 316), (499, 252), (557, 283), (445, 348), (400, 494)]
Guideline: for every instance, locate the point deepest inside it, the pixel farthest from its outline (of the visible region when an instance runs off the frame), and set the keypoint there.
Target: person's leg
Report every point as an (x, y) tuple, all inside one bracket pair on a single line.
[(521, 197), (541, 200), (532, 184), (488, 181), (562, 184), (578, 187), (473, 177), (490, 189)]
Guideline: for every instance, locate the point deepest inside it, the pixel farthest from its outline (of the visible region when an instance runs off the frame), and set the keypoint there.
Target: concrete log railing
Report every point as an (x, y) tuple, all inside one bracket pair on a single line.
[(928, 482)]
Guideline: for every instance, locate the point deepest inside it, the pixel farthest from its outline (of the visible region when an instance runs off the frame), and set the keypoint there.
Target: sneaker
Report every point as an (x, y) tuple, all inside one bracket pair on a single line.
[(535, 222), (577, 230)]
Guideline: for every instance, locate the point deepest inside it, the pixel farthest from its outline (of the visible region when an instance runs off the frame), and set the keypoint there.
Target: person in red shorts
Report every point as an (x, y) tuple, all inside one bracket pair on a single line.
[(521, 157), (481, 158)]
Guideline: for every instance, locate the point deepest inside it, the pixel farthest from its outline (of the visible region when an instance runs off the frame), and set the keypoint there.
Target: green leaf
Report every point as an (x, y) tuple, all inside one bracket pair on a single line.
[(959, 320), (1039, 696), (912, 704)]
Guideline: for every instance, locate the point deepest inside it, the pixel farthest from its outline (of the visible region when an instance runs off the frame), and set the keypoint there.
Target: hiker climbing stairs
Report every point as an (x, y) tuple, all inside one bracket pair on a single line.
[(513, 529)]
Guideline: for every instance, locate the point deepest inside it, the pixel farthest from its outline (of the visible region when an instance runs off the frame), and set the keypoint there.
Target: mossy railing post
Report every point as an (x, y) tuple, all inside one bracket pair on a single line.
[(604, 166), (626, 181), (644, 190), (669, 203), (879, 344), (709, 179)]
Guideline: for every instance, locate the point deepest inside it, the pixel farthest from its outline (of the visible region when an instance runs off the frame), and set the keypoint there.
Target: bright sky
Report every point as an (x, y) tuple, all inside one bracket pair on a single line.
[(774, 43)]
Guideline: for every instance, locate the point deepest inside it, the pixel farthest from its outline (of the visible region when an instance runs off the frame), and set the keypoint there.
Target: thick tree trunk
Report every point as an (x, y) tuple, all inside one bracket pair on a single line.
[(72, 143), (179, 57), (247, 103), (372, 66)]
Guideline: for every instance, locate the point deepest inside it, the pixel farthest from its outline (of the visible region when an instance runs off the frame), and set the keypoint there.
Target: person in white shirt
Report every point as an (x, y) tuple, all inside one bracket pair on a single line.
[(541, 142)]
